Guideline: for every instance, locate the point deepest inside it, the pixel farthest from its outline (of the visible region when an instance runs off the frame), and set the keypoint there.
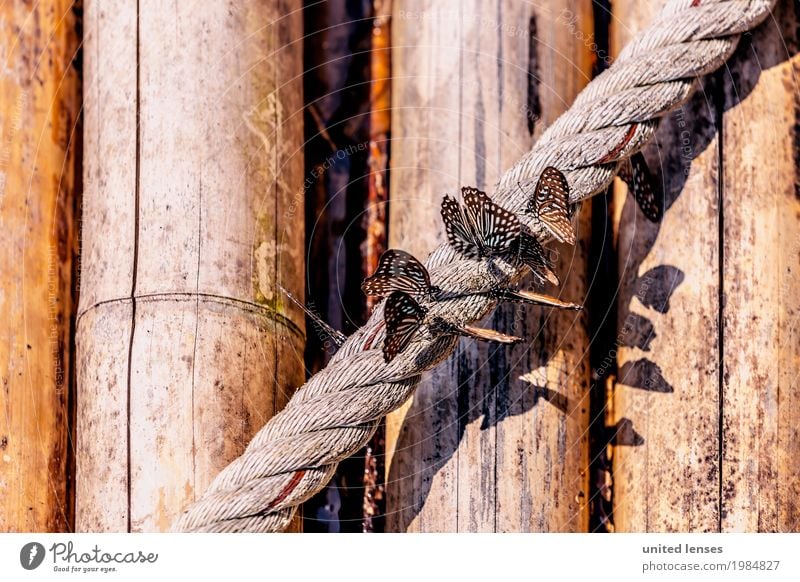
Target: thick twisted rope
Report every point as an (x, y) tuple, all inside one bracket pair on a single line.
[(334, 414)]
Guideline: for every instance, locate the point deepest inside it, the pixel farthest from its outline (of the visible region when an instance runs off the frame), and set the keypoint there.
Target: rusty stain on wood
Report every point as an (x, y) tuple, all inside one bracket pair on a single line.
[(670, 482), (761, 281)]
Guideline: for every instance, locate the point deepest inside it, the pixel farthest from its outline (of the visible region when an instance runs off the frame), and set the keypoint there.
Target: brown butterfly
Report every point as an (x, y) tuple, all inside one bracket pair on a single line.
[(550, 204), (535, 257), (399, 271), (643, 187), (403, 317), (480, 228)]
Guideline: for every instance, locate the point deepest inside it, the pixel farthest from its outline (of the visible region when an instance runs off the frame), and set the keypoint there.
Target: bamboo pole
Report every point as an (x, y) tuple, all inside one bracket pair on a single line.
[(761, 281), (192, 216), (709, 363), (493, 440), (39, 110), (380, 118), (667, 385)]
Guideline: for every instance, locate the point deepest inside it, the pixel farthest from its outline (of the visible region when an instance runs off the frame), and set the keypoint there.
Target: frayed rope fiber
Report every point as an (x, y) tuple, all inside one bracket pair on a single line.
[(336, 412)]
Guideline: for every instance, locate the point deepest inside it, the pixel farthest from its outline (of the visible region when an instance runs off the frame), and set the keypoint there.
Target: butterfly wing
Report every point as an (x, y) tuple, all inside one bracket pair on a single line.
[(540, 299), (550, 204), (535, 258), (489, 335), (403, 316), (460, 233), (495, 227), (397, 271), (642, 187)]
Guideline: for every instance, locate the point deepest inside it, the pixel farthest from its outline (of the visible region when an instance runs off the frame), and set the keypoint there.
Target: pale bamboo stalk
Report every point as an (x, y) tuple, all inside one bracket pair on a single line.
[(192, 217)]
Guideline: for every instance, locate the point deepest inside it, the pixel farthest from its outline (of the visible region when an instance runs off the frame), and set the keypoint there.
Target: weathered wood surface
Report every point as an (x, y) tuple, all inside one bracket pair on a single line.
[(667, 389), (761, 280), (494, 439), (707, 347), (192, 215), (39, 110)]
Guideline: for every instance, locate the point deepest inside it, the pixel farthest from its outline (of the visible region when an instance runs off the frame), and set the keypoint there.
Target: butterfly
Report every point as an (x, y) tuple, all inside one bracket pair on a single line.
[(480, 228), (642, 187), (550, 204), (399, 271), (337, 337), (534, 256), (403, 317)]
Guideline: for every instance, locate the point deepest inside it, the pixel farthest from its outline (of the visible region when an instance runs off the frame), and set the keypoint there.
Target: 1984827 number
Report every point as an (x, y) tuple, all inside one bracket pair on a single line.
[(761, 565)]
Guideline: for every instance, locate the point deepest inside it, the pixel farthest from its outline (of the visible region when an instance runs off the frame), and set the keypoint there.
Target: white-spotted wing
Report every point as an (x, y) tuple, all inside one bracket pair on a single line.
[(403, 316), (550, 204), (399, 271), (480, 228)]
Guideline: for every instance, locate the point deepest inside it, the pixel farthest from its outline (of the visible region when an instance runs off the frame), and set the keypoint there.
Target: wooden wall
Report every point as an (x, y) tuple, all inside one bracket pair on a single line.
[(39, 145), (193, 189), (494, 439), (712, 386)]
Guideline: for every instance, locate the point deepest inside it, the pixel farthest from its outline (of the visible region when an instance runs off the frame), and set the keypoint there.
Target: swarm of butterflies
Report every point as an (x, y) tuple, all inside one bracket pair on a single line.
[(478, 228)]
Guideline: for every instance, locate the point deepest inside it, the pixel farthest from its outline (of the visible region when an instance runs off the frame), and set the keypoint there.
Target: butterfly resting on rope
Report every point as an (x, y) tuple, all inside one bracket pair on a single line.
[(478, 229)]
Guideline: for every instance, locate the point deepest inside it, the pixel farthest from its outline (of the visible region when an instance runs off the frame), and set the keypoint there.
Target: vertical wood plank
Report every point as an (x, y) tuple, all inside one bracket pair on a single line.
[(422, 436), (463, 112), (543, 394), (205, 146), (665, 421), (39, 110), (761, 281)]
